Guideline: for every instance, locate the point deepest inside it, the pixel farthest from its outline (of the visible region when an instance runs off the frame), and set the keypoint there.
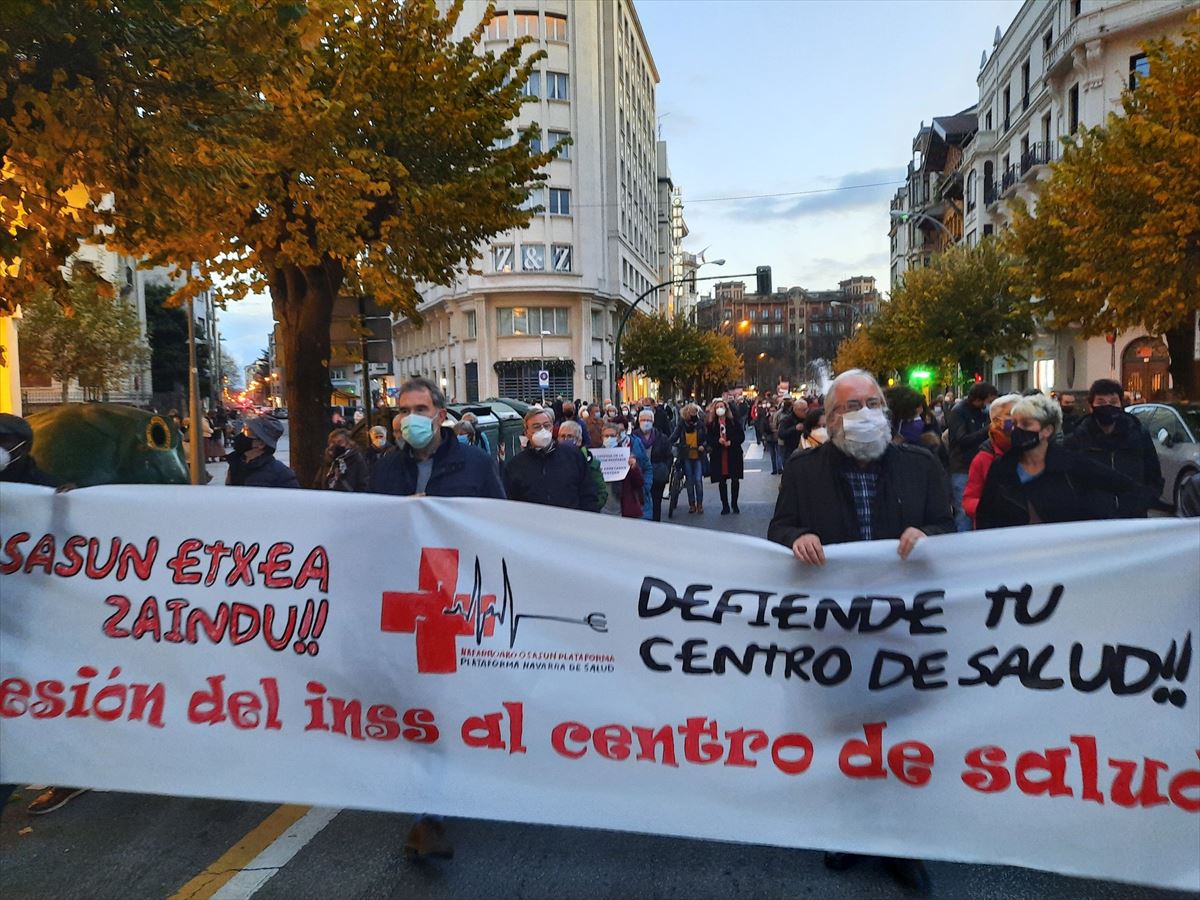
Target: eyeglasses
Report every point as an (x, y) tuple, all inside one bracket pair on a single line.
[(855, 405)]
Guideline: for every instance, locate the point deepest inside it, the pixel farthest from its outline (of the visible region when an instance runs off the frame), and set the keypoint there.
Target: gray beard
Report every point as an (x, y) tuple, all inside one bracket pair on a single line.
[(858, 451)]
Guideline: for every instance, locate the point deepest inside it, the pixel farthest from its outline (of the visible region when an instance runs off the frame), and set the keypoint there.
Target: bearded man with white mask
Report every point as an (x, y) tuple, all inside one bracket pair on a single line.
[(859, 486)]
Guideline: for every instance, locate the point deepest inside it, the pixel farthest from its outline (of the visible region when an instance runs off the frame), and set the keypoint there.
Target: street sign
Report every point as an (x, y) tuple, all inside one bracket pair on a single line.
[(543, 378)]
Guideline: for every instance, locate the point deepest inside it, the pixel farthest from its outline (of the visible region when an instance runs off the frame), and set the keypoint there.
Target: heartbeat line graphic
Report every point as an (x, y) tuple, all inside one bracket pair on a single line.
[(479, 612)]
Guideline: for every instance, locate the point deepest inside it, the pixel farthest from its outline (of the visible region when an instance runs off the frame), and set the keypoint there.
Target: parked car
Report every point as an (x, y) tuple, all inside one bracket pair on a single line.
[(280, 412), (1175, 428)]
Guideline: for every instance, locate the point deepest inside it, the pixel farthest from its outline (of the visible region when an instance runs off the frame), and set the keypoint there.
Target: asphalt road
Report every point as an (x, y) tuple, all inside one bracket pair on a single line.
[(130, 846)]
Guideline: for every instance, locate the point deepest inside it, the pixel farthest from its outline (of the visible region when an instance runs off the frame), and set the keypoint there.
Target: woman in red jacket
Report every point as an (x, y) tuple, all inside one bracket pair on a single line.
[(996, 445)]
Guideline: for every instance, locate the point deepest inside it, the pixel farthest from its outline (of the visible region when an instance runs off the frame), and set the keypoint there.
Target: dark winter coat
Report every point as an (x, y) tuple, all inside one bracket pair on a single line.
[(1129, 450), (658, 447), (788, 431), (725, 462), (262, 471), (347, 473), (1072, 488), (459, 470), (968, 429), (815, 498), (559, 476)]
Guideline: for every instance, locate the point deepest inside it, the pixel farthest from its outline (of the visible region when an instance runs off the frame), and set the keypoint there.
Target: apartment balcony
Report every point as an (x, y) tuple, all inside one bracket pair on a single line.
[(991, 193), (1009, 180), (1059, 54), (1038, 155)]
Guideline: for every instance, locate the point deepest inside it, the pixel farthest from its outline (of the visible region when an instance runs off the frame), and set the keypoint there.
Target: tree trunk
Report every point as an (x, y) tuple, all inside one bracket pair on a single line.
[(1185, 369), (302, 299)]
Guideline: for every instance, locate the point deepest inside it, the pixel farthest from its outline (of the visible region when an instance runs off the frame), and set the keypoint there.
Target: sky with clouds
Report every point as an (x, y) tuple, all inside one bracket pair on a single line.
[(787, 97)]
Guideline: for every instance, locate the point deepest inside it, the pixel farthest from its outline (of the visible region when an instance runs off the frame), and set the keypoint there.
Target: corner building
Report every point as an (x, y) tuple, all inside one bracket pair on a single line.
[(550, 295), (1061, 65)]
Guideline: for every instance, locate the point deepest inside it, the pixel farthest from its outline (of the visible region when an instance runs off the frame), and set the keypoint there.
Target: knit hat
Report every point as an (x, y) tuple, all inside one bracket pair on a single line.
[(266, 429)]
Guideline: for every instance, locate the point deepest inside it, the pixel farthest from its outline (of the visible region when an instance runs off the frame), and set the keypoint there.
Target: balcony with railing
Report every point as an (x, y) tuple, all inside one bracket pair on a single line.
[(1011, 176), (1039, 154), (990, 193)]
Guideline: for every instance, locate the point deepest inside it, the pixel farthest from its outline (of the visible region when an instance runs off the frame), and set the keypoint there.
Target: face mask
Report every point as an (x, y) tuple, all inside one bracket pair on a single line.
[(865, 434), (610, 442), (624, 410), (463, 439), (820, 435), (542, 439), (646, 426), (568, 442), (1023, 440), (523, 441), (720, 410), (1106, 415), (379, 442), (1000, 439), (336, 451), (416, 430), (7, 457), (242, 442)]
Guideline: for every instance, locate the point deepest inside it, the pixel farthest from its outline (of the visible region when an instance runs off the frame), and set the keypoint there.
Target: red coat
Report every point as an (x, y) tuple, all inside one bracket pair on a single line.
[(976, 477), (631, 493)]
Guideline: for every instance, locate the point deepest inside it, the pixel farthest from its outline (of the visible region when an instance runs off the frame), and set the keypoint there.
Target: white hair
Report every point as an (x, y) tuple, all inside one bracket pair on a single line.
[(846, 376), (1005, 400), (570, 426), (1040, 407)]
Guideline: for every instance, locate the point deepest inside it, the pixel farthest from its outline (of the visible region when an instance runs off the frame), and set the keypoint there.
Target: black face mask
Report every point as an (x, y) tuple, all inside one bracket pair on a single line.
[(1023, 440), (242, 442), (1106, 415), (336, 451)]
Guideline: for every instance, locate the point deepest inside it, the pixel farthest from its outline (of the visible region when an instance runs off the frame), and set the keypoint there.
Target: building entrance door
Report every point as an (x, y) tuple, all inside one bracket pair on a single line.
[(1145, 367)]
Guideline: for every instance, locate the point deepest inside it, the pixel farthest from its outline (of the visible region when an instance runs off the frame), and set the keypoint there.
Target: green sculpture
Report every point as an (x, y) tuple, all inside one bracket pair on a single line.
[(86, 444)]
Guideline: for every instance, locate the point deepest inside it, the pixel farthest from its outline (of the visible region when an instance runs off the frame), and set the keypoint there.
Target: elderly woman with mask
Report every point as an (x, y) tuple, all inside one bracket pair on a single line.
[(1037, 481), (996, 445)]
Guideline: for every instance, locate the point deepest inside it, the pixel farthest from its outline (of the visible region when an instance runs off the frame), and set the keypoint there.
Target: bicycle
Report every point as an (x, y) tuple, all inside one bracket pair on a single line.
[(674, 485)]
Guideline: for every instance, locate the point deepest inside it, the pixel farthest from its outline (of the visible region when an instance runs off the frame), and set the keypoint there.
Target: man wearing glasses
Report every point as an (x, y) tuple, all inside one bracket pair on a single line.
[(859, 486)]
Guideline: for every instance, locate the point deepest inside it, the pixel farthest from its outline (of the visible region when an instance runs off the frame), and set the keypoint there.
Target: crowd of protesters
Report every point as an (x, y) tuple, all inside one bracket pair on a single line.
[(857, 464)]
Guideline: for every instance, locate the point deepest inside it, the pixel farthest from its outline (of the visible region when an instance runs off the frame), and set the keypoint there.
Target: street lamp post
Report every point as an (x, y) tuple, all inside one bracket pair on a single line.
[(633, 306), (542, 360)]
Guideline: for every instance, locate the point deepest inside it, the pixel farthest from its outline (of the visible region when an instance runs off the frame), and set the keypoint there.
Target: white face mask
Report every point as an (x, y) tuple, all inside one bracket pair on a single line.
[(720, 410), (7, 457), (864, 435), (542, 439), (820, 435)]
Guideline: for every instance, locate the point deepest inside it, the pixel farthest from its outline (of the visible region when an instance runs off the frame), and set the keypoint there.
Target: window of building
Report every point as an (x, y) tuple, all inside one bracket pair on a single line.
[(558, 86), (971, 238), (987, 121), (971, 190), (1047, 150), (1047, 41), (558, 141), (1007, 107), (1025, 85), (535, 146), (532, 87), (533, 257), (987, 230), (1139, 68), (516, 321), (470, 316), (560, 202), (537, 197), (597, 323), (779, 329), (753, 315), (1073, 108), (502, 258), (527, 24), (1076, 8), (497, 29), (556, 27), (560, 257), (778, 313)]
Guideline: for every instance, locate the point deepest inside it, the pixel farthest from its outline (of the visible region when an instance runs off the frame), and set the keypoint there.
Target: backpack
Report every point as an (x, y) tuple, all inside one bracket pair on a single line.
[(597, 478)]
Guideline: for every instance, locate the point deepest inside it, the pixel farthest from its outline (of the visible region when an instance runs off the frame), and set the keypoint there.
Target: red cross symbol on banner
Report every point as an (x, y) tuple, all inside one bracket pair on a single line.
[(429, 612)]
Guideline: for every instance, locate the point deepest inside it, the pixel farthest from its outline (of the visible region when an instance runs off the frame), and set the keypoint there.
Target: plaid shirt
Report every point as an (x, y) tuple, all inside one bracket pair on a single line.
[(863, 485)]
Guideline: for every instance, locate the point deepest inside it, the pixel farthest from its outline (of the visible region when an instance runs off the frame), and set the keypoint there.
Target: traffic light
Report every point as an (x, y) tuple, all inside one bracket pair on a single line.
[(978, 378), (621, 383), (764, 280)]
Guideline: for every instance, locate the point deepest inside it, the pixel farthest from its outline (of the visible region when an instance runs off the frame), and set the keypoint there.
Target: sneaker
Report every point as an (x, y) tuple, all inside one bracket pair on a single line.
[(53, 798), (426, 840)]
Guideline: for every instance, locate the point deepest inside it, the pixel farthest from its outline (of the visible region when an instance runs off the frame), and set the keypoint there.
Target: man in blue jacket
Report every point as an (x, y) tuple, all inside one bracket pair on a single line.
[(431, 460)]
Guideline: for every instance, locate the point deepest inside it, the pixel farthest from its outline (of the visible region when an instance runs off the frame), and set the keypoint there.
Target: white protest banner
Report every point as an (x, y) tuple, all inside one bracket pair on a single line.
[(1027, 696), (614, 462)]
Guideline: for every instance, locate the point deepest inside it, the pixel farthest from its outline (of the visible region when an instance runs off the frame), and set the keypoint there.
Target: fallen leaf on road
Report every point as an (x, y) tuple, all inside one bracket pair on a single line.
[(25, 830)]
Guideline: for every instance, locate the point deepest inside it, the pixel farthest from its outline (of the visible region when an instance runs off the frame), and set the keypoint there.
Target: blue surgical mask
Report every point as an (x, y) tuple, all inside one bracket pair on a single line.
[(646, 426), (463, 439), (416, 430), (610, 442)]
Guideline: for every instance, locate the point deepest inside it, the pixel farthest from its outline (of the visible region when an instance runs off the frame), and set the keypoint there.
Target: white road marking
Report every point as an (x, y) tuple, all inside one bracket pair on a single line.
[(278, 854)]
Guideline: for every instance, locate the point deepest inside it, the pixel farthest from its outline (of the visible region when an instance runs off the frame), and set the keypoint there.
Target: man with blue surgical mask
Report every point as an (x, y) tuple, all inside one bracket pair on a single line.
[(431, 461)]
